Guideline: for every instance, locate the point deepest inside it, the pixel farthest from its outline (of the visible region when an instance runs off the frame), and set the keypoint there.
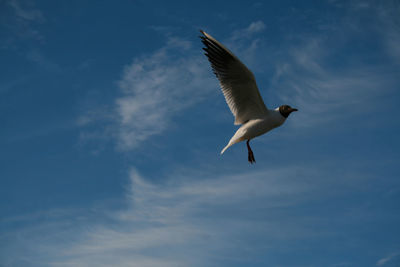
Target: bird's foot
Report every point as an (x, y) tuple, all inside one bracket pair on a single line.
[(251, 157)]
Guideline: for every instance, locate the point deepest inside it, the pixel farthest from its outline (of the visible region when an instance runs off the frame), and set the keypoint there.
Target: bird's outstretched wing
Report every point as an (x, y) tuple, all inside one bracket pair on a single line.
[(237, 81)]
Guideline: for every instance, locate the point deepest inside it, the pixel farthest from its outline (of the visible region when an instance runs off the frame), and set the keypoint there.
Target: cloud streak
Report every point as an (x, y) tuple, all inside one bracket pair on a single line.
[(28, 14), (324, 94), (308, 75), (156, 87), (22, 23), (194, 221), (390, 260), (253, 28), (194, 217)]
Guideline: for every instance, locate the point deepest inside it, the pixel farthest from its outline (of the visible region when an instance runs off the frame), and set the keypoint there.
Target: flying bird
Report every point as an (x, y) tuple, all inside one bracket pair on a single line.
[(242, 95)]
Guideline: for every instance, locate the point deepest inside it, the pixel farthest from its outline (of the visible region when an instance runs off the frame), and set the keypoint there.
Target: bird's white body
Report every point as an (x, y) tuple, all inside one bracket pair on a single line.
[(241, 93), (257, 127)]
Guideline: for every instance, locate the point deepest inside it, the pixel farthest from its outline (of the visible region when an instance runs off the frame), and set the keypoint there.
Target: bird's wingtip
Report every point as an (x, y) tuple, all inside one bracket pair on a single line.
[(204, 35)]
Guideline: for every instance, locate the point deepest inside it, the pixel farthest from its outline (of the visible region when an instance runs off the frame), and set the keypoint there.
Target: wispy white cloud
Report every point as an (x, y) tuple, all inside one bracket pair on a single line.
[(309, 76), (26, 13), (190, 220), (253, 28), (389, 27), (192, 217), (23, 23), (155, 87), (256, 26), (390, 260), (324, 94)]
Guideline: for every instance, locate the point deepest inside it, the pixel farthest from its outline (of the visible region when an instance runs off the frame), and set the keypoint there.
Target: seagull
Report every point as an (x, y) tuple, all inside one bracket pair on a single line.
[(242, 96)]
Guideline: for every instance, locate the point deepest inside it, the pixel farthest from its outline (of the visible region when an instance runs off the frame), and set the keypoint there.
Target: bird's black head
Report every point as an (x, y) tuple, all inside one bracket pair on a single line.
[(285, 110)]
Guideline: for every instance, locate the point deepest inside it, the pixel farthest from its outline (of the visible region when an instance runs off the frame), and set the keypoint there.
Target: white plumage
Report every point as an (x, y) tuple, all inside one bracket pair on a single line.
[(242, 95)]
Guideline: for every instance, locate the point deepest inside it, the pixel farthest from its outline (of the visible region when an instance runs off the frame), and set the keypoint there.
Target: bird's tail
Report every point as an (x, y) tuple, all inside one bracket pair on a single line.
[(225, 148), (236, 138), (231, 143)]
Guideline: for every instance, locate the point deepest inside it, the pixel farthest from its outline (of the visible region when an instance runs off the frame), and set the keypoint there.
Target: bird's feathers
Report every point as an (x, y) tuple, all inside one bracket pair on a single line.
[(237, 81)]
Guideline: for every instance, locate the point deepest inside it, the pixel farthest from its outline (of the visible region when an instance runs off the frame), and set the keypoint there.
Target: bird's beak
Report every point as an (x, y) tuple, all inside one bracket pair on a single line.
[(293, 109)]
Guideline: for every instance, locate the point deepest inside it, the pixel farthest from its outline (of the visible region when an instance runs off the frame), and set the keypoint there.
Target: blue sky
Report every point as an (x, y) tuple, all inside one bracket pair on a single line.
[(112, 123)]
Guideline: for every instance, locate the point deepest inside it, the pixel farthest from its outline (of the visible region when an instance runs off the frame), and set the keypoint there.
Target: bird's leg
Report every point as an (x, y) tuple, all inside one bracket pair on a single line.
[(251, 155)]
